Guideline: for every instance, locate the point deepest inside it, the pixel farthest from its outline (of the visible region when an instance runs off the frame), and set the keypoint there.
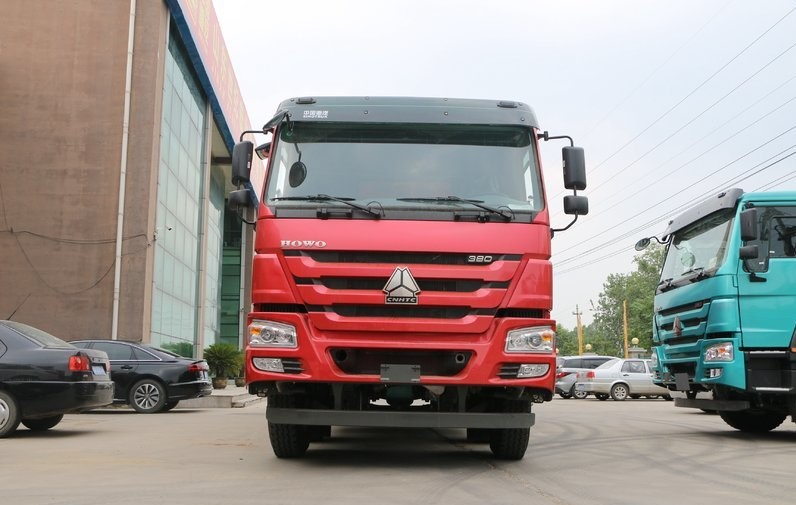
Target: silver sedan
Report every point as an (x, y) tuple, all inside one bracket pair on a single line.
[(619, 379)]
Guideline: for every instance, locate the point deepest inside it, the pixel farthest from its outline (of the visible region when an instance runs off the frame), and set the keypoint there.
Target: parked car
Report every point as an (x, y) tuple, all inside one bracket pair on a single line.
[(619, 379), (151, 379), (43, 377), (567, 373)]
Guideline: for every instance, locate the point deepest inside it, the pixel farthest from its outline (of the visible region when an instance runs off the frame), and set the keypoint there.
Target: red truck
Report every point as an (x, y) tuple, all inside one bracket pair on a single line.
[(402, 273)]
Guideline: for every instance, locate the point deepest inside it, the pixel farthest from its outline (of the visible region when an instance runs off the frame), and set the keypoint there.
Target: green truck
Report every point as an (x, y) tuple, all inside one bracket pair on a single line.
[(725, 308)]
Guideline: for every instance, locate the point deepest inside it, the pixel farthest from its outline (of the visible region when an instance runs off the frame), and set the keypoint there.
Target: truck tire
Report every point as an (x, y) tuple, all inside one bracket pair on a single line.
[(43, 423), (753, 420), (511, 443), (287, 440)]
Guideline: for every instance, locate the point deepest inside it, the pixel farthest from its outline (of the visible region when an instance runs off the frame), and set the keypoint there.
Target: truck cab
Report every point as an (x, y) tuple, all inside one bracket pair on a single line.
[(402, 271), (724, 317)]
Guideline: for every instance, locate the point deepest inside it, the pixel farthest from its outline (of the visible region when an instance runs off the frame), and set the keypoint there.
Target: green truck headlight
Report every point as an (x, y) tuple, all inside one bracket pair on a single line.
[(271, 334), (537, 339), (720, 352)]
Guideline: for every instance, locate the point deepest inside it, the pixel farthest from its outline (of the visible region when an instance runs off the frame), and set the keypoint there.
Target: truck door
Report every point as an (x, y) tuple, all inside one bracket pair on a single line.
[(767, 285)]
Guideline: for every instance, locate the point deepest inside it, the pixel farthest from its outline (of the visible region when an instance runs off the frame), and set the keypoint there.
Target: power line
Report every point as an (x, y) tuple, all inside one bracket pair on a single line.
[(690, 122), (744, 129), (691, 93), (637, 214), (693, 203)]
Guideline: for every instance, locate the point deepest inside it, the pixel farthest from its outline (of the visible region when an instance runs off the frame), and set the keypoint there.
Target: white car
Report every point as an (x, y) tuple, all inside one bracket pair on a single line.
[(620, 378)]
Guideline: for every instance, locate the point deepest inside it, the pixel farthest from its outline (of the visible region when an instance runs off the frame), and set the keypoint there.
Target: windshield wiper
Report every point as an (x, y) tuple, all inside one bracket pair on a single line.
[(320, 197), (508, 216), (700, 274)]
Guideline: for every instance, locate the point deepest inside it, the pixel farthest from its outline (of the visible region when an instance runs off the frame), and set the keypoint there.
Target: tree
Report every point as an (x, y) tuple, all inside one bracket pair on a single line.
[(638, 289), (567, 341)]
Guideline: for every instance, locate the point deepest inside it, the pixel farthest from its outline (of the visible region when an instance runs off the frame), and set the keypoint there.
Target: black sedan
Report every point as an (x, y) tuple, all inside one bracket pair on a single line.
[(42, 378), (150, 379)]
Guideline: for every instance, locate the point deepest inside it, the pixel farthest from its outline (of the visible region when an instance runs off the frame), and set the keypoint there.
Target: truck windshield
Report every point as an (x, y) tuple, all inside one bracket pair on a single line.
[(403, 166), (698, 249)]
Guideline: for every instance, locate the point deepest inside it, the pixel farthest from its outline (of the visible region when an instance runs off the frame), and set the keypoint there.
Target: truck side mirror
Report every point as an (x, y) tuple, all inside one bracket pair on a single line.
[(263, 151), (749, 225), (239, 199), (574, 168), (749, 252), (242, 162), (576, 205)]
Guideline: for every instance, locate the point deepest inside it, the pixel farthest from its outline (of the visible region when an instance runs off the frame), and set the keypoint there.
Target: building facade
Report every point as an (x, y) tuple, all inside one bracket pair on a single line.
[(118, 119)]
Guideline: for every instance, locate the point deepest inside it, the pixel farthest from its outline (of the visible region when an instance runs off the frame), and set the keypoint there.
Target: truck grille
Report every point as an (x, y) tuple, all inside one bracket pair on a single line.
[(341, 289)]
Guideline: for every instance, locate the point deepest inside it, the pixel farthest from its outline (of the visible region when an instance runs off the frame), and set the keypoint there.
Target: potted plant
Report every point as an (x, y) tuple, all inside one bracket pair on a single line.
[(240, 380), (224, 360)]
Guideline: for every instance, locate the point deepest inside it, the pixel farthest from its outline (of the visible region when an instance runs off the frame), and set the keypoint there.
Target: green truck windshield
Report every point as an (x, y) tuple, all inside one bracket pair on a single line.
[(698, 248), (400, 165)]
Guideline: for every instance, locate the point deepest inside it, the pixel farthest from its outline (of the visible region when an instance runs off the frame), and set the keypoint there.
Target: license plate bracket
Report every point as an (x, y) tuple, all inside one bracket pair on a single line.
[(400, 374)]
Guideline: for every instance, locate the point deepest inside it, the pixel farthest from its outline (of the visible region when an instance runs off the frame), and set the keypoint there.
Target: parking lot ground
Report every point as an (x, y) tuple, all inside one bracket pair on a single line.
[(582, 452)]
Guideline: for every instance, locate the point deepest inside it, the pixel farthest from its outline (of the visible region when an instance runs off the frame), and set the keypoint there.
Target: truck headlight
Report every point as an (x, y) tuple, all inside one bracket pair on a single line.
[(271, 334), (720, 352), (538, 339), (654, 360)]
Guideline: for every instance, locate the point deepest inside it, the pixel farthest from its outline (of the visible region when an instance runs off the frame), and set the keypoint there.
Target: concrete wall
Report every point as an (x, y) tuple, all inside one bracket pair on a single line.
[(62, 78)]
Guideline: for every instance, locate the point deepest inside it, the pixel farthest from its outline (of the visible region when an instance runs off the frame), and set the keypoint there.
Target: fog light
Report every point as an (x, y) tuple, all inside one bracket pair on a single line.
[(714, 373), (532, 370), (268, 364)]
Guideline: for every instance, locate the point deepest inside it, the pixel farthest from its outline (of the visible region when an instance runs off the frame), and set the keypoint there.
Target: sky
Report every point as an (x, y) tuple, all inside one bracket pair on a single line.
[(672, 100)]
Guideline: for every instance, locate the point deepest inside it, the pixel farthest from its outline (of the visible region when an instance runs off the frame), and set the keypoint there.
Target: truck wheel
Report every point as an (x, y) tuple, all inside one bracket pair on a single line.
[(42, 424), (619, 392), (753, 421), (9, 414), (287, 440), (511, 443)]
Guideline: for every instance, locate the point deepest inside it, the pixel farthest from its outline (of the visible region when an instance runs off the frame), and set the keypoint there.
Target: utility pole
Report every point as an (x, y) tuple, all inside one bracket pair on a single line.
[(580, 331), (624, 321)]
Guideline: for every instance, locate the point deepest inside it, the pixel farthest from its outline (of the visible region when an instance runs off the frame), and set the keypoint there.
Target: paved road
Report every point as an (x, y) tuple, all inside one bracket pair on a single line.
[(583, 452)]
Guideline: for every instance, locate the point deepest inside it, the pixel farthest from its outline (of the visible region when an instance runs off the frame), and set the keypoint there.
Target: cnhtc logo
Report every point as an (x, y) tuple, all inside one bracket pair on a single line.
[(401, 288)]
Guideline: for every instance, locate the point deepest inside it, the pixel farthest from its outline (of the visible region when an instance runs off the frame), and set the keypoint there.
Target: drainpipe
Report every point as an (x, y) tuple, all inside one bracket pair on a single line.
[(117, 274)]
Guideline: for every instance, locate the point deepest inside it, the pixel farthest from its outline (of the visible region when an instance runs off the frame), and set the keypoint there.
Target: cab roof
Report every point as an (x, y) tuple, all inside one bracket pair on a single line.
[(408, 110)]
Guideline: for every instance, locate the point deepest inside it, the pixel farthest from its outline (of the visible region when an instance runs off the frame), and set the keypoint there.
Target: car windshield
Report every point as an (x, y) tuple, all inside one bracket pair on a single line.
[(698, 248), (40, 337), (403, 166)]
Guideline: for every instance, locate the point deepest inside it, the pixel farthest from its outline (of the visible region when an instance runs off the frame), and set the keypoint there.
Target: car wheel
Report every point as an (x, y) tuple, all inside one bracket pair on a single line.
[(42, 424), (619, 392), (601, 396), (578, 394), (753, 421), (565, 396), (9, 414), (170, 405), (148, 396)]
